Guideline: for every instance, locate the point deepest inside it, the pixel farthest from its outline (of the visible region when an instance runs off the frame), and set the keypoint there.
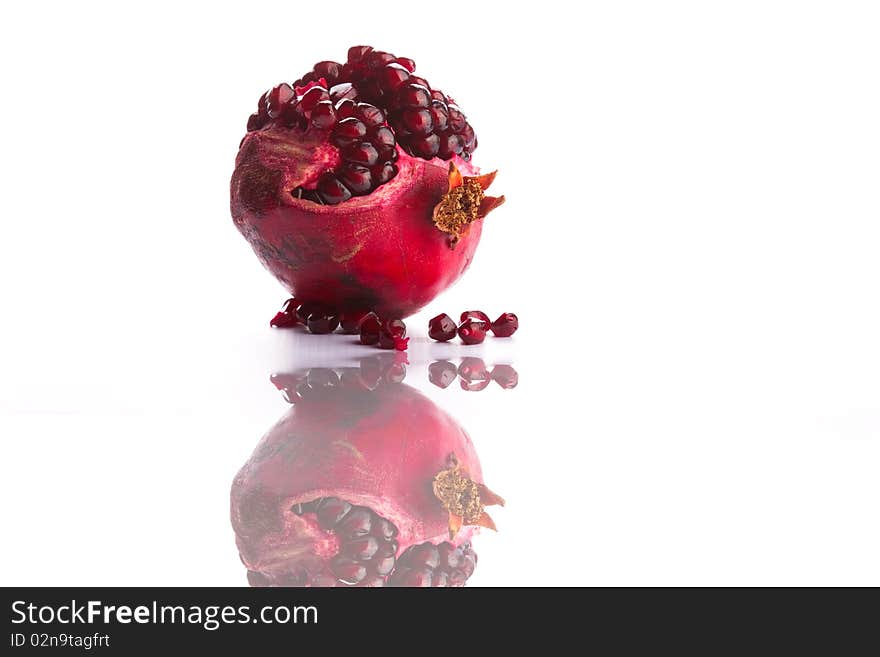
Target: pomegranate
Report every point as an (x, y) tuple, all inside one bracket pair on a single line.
[(356, 188), (364, 482)]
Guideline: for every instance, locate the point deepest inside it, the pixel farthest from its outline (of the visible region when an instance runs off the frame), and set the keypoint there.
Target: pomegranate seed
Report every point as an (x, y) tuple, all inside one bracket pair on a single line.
[(286, 317), (347, 570), (395, 327), (361, 153), (283, 320), (383, 173), (356, 177), (357, 53), (476, 314), (396, 372), (306, 309), (442, 328), (384, 529), (442, 373), (330, 511), (393, 75), (384, 141), (401, 344), (370, 114), (414, 96), (472, 331), (312, 97), (327, 70), (411, 578), (383, 565), (356, 523), (417, 121), (322, 377), (386, 340), (348, 130), (361, 549), (370, 329), (322, 324), (331, 190), (457, 121), (424, 147), (424, 554), (351, 323), (323, 116), (505, 326), (406, 63), (345, 108), (505, 376), (473, 373), (473, 369)]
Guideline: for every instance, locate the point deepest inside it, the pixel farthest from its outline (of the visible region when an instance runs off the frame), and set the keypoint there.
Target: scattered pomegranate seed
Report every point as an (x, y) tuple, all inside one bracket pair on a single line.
[(475, 314), (395, 327), (474, 386), (473, 369), (473, 373), (472, 331), (351, 322), (306, 309), (505, 376), (442, 373), (283, 320), (286, 317), (505, 325), (321, 324), (442, 328), (370, 328)]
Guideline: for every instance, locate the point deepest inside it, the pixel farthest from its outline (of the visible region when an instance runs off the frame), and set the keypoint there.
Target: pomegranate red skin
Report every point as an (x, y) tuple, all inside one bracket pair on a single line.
[(380, 448), (379, 252)]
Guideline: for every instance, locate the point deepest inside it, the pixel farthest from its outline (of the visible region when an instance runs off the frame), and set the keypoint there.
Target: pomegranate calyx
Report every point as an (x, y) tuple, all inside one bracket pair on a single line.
[(463, 498), (464, 202)]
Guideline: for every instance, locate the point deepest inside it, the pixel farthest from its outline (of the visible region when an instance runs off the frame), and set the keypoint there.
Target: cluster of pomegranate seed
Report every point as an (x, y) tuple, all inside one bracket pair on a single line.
[(472, 327), (434, 565), (368, 105), (384, 333), (473, 374), (367, 555), (372, 372)]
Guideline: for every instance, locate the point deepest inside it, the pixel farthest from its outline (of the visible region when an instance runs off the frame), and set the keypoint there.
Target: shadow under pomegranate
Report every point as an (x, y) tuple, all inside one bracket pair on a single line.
[(364, 482)]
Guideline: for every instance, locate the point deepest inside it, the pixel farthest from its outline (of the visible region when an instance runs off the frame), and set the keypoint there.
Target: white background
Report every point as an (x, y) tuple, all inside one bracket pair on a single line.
[(690, 240)]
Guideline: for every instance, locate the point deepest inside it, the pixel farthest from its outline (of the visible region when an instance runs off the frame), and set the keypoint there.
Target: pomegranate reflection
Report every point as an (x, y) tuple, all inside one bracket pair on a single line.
[(364, 482)]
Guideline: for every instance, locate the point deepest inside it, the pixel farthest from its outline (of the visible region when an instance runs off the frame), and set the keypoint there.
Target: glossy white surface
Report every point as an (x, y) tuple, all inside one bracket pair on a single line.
[(690, 241)]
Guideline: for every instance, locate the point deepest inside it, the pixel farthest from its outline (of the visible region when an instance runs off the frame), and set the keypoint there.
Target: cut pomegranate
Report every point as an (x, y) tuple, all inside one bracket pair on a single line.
[(355, 186), (442, 328), (506, 325), (472, 331), (360, 487)]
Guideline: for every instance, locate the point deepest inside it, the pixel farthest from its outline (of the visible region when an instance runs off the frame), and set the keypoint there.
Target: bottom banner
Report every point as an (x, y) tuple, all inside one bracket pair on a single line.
[(130, 621)]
